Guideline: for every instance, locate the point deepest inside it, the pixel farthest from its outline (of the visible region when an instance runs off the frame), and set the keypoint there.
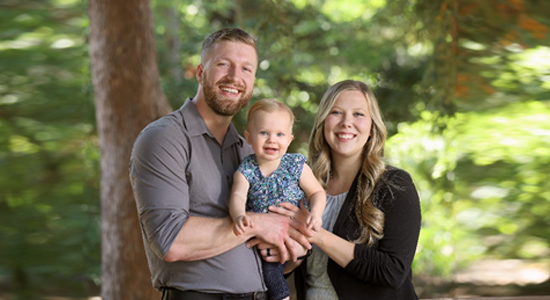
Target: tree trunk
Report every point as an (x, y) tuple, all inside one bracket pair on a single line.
[(128, 97)]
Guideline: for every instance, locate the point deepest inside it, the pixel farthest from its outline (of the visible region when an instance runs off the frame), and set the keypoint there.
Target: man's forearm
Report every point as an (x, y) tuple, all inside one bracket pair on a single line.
[(202, 238)]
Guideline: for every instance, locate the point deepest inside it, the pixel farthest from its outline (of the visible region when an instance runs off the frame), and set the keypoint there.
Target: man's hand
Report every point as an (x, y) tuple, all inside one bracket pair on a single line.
[(270, 253), (279, 231)]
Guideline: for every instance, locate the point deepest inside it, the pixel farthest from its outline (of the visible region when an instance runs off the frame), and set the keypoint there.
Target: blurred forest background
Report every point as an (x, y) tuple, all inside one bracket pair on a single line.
[(464, 87)]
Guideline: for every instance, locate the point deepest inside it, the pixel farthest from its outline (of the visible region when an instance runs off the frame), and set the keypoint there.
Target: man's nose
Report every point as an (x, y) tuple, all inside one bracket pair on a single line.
[(234, 73)]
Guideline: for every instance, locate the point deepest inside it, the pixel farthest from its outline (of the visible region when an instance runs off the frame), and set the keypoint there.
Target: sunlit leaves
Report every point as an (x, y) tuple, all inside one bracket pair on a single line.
[(508, 147), (518, 133), (426, 149), (346, 11), (530, 70), (500, 200)]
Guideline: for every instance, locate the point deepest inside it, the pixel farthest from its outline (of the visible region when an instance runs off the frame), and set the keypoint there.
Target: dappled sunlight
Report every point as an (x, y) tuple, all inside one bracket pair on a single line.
[(504, 272)]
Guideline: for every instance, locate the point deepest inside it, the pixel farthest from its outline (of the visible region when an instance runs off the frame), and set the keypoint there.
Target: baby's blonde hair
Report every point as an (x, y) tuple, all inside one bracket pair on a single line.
[(269, 105)]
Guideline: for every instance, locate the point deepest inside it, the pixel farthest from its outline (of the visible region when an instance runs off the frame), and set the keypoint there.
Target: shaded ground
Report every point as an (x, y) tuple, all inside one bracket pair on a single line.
[(490, 278), (502, 279)]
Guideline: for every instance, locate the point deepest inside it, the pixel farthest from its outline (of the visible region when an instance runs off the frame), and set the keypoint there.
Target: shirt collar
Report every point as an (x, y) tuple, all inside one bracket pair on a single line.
[(195, 125)]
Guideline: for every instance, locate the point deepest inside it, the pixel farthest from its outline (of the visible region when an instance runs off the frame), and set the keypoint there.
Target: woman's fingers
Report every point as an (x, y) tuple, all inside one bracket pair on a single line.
[(289, 210), (298, 217), (290, 207), (281, 210)]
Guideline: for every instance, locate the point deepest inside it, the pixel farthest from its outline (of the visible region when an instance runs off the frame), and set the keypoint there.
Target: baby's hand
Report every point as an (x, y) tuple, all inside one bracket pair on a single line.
[(314, 222), (241, 223)]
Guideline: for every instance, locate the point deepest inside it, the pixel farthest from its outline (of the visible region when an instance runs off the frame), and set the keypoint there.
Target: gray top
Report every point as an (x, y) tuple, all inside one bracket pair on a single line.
[(177, 170), (320, 287)]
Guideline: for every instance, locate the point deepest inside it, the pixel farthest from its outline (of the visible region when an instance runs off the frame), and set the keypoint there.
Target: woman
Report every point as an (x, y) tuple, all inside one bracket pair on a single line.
[(372, 219)]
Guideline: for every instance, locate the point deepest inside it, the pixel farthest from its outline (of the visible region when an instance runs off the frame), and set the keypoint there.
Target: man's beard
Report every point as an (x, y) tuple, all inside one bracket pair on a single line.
[(223, 107)]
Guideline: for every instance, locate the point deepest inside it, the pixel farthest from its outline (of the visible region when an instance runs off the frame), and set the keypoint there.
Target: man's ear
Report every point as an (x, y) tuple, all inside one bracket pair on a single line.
[(198, 74)]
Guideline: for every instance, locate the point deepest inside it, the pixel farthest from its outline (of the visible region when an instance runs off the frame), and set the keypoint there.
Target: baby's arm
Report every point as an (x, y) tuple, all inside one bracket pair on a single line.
[(316, 197), (237, 204)]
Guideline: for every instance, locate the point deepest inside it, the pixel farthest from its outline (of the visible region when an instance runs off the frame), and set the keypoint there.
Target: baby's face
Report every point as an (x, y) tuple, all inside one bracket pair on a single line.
[(270, 134)]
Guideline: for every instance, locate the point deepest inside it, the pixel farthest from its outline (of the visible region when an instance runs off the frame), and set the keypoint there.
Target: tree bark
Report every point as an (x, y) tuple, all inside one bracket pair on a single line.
[(127, 97)]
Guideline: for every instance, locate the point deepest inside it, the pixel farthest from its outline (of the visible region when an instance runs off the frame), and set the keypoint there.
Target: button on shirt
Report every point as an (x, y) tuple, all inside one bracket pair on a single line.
[(178, 169)]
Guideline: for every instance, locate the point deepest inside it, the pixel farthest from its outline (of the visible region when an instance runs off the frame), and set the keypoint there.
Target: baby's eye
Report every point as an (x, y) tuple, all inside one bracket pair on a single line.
[(263, 132), (280, 134)]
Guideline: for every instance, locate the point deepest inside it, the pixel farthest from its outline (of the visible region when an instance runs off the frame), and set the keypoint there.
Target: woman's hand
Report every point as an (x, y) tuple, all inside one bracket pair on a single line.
[(279, 231), (298, 216)]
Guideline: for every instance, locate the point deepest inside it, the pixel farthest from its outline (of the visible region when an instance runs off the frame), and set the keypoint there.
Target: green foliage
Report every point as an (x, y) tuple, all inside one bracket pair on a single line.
[(505, 182), (48, 157), (427, 150), (483, 181)]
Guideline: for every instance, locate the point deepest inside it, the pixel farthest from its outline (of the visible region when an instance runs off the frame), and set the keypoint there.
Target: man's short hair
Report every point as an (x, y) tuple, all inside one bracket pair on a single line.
[(227, 34)]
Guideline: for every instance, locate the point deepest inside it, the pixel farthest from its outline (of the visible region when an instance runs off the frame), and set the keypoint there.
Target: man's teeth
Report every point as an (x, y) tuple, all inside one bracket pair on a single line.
[(229, 90), (345, 136)]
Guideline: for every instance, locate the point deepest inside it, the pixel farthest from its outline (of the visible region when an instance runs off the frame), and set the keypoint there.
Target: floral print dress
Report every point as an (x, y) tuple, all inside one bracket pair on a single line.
[(281, 186)]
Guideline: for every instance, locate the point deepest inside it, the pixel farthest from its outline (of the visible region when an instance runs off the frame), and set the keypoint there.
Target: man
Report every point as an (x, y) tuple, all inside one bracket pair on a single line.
[(181, 172)]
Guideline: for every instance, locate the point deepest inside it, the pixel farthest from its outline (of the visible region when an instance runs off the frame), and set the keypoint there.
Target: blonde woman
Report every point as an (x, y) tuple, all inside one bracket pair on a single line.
[(372, 218)]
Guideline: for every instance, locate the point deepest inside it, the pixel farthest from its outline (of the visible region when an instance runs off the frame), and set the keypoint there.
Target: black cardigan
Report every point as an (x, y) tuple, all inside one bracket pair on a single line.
[(382, 271)]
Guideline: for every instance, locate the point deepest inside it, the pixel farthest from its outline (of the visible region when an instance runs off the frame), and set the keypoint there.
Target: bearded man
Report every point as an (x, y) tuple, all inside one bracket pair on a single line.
[(181, 172)]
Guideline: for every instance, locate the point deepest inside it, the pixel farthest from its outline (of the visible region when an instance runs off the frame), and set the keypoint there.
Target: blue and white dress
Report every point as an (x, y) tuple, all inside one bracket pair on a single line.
[(281, 186)]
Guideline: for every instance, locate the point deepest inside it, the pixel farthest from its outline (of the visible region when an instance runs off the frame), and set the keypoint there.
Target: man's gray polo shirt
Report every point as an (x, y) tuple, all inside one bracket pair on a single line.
[(178, 169)]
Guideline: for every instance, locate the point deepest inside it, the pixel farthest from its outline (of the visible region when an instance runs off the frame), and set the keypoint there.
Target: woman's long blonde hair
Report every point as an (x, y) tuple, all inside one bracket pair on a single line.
[(370, 217)]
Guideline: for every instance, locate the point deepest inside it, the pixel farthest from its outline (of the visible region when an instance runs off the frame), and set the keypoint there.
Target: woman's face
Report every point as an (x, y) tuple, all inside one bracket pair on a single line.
[(348, 125)]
